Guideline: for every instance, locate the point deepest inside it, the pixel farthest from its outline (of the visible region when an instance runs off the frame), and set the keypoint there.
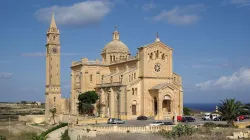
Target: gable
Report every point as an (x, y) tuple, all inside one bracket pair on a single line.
[(156, 45)]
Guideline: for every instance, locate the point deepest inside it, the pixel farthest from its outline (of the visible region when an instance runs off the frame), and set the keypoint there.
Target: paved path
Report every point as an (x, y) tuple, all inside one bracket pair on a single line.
[(56, 135)]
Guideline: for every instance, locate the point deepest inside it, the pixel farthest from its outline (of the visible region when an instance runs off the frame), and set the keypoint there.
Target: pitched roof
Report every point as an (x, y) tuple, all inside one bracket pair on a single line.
[(162, 86)]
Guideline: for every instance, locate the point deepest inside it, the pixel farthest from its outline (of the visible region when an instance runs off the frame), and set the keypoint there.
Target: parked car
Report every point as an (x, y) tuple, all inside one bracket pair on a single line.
[(241, 118), (142, 118), (156, 123), (115, 121), (179, 118), (206, 116), (188, 119), (168, 123), (246, 116)]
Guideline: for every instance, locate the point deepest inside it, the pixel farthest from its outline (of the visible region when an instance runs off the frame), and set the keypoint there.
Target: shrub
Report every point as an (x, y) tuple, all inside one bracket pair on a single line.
[(209, 124), (2, 137), (65, 135), (42, 136), (178, 131)]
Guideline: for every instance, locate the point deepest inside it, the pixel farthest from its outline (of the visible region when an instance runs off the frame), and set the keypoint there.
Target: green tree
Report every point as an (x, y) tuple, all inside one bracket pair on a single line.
[(53, 112), (85, 102), (230, 109), (186, 111), (89, 97), (246, 109)]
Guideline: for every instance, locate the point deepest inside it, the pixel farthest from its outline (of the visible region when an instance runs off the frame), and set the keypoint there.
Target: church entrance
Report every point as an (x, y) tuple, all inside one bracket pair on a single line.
[(155, 106), (166, 105), (133, 109)]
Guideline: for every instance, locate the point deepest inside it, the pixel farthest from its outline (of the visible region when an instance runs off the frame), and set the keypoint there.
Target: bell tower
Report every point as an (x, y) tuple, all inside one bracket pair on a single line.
[(53, 88)]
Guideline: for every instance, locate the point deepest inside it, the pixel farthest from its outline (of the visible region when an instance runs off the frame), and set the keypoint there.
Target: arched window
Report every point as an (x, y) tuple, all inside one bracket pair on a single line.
[(151, 55), (91, 78), (110, 58), (157, 54), (134, 75), (54, 99), (163, 57)]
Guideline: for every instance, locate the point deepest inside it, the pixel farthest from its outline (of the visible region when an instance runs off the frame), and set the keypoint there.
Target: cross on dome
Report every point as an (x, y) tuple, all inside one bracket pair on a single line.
[(157, 37), (116, 34)]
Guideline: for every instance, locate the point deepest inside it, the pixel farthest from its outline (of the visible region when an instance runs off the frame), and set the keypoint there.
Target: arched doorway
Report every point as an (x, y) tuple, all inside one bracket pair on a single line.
[(166, 104), (133, 107), (155, 106)]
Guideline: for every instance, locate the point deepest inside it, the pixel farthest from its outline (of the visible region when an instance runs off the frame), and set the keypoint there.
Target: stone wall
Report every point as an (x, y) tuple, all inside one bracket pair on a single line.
[(32, 118), (123, 129), (242, 124), (76, 134)]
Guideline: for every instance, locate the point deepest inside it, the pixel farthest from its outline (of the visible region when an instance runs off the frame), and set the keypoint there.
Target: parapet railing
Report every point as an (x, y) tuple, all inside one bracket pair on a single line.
[(125, 129)]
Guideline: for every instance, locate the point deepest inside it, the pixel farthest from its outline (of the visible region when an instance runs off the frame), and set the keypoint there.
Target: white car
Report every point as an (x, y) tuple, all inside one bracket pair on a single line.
[(156, 123)]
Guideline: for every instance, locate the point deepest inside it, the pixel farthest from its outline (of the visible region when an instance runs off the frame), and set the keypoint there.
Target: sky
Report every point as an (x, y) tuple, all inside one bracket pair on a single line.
[(210, 41)]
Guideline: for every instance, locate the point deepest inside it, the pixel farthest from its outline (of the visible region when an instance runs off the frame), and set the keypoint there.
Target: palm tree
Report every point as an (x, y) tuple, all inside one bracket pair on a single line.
[(230, 109), (53, 112)]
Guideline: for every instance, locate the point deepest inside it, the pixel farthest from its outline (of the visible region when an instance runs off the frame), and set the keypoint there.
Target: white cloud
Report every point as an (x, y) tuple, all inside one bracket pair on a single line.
[(5, 75), (239, 3), (40, 54), (181, 15), (82, 13), (148, 6), (240, 79)]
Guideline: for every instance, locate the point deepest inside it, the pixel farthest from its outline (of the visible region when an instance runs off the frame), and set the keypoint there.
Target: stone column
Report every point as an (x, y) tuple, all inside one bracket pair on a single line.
[(103, 97), (160, 108), (112, 103)]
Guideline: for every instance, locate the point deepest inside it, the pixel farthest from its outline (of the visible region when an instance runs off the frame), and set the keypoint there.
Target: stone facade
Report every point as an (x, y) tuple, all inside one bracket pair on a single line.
[(128, 86), (53, 97)]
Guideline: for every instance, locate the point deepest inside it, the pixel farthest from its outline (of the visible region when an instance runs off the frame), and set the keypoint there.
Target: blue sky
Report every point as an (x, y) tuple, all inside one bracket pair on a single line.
[(210, 39)]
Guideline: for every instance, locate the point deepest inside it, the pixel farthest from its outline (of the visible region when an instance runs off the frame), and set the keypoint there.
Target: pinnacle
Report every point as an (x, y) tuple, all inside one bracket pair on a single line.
[(53, 22)]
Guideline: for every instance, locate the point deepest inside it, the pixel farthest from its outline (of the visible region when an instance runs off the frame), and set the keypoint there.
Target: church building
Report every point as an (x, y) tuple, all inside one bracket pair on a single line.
[(128, 86)]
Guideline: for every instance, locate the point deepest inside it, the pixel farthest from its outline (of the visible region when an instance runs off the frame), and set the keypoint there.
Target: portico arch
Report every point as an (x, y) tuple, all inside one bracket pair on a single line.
[(134, 107), (167, 104)]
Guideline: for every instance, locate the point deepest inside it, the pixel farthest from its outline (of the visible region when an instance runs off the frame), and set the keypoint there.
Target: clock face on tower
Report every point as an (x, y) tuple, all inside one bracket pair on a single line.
[(54, 50), (157, 67)]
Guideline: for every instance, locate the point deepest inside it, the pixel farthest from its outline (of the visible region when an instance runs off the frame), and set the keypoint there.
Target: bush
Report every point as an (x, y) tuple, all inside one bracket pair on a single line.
[(2, 137), (209, 124), (178, 131), (65, 135), (42, 136)]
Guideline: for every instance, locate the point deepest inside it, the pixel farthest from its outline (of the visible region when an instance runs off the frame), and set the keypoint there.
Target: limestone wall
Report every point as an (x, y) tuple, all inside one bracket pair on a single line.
[(32, 118), (124, 129)]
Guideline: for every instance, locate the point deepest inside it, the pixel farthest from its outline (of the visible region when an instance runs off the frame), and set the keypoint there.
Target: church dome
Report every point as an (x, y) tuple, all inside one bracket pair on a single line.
[(116, 46)]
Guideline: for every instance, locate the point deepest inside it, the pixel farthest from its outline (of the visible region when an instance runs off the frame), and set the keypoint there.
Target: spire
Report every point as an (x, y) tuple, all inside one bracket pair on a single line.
[(53, 22), (157, 37), (116, 34)]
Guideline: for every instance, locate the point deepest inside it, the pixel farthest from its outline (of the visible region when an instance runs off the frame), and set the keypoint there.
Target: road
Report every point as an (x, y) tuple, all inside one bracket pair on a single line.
[(198, 121)]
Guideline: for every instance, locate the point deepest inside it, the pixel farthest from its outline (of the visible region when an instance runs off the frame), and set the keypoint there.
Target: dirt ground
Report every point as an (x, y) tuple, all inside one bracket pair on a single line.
[(17, 127)]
